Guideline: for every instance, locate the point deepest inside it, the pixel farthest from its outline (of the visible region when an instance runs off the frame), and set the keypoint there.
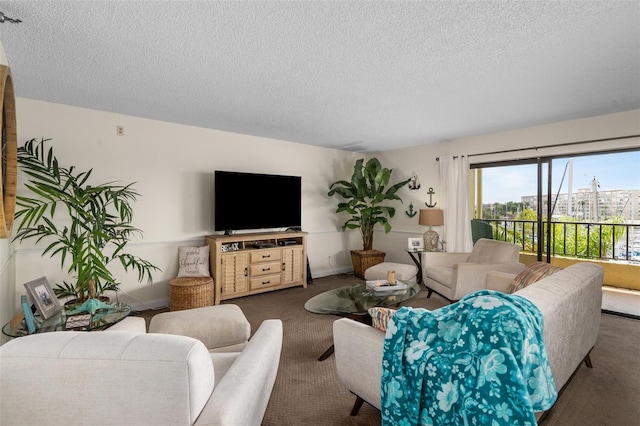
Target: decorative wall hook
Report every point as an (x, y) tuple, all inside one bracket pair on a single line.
[(411, 212), (431, 204)]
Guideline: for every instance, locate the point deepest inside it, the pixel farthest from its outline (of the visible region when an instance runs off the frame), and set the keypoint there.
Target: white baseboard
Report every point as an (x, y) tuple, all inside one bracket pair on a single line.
[(621, 300)]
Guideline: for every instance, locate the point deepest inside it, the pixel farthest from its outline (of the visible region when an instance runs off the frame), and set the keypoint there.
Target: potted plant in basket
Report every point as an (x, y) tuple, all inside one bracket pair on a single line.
[(97, 222), (365, 195)]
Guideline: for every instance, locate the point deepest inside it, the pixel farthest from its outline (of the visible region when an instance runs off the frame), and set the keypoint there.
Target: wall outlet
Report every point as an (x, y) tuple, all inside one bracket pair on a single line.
[(120, 130)]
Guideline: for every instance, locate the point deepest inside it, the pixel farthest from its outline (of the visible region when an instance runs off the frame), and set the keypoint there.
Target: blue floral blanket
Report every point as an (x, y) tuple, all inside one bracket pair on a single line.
[(480, 361)]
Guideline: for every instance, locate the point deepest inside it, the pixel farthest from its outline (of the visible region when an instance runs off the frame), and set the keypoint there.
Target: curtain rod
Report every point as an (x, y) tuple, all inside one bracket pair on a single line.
[(549, 146)]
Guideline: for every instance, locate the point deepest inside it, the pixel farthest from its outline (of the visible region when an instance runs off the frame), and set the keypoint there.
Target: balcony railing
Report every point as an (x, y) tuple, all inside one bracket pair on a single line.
[(602, 241)]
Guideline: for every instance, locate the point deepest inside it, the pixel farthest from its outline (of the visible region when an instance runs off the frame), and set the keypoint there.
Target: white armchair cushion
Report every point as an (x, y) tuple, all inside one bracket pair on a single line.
[(492, 251), (454, 275)]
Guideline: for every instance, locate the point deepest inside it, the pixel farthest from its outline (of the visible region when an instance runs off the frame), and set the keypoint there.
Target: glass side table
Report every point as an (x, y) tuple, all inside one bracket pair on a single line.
[(103, 318)]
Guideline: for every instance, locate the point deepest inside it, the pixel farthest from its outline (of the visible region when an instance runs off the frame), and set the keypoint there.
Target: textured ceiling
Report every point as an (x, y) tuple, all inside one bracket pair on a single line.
[(365, 76)]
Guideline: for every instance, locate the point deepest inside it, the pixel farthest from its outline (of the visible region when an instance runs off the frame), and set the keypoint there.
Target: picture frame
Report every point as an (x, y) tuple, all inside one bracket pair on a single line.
[(415, 244), (43, 297)]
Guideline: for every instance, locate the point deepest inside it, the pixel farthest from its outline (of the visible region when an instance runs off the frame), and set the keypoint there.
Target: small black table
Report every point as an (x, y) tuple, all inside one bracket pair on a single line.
[(416, 256)]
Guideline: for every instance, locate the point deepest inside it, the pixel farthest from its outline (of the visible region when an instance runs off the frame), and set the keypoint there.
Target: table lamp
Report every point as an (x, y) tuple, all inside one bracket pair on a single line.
[(431, 217)]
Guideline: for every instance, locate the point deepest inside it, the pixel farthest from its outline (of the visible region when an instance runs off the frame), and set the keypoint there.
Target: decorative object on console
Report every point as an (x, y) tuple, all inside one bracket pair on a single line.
[(193, 261), (229, 247), (431, 217), (364, 195), (91, 225), (43, 297)]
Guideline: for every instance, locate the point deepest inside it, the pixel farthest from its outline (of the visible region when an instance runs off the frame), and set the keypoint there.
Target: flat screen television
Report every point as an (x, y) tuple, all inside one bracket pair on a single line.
[(246, 201)]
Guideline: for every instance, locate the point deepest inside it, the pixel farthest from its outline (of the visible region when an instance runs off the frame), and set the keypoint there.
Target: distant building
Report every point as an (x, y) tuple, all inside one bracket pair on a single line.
[(585, 207)]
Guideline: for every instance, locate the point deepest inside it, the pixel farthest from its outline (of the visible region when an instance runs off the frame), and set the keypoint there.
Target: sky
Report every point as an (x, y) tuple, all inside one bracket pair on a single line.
[(612, 171)]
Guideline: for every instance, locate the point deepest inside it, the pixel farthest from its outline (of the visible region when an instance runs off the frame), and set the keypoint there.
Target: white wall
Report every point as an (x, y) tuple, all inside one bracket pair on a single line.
[(422, 160), (173, 166)]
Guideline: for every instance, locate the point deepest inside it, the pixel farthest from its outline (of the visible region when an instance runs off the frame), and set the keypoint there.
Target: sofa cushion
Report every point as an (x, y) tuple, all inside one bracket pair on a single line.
[(380, 317), (532, 273), (193, 261)]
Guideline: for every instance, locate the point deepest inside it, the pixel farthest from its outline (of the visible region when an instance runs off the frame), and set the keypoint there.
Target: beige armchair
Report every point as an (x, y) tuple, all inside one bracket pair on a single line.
[(454, 275)]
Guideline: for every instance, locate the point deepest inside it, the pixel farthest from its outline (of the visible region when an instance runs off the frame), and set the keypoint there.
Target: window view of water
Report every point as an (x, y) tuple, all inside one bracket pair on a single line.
[(599, 195)]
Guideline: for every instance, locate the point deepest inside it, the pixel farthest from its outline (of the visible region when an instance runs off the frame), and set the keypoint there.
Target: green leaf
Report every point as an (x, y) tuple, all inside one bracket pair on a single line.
[(365, 196), (95, 216)]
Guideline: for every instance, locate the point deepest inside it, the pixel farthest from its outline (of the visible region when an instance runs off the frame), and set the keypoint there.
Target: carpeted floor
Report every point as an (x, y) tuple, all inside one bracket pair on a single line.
[(308, 392)]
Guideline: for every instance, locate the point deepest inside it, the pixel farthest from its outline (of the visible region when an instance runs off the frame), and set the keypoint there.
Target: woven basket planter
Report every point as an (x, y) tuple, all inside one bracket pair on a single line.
[(365, 259), (190, 293)]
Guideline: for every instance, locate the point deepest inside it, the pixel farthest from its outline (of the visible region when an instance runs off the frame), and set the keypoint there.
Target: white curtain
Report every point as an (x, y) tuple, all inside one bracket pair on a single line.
[(454, 184)]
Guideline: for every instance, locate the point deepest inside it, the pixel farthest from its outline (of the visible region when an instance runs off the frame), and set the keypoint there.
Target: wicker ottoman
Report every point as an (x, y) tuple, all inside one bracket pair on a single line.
[(403, 272), (190, 292)]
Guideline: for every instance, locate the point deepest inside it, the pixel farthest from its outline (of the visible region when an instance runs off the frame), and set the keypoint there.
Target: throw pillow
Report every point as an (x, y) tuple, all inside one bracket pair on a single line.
[(380, 317), (532, 273), (193, 261)]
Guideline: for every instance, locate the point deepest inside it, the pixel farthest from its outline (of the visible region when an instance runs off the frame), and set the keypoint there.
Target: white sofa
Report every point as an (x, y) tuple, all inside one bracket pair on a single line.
[(570, 301), (135, 378)]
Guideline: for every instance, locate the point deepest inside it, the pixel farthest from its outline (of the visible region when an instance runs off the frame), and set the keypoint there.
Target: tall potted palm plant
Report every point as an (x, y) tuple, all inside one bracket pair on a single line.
[(365, 196), (87, 225)]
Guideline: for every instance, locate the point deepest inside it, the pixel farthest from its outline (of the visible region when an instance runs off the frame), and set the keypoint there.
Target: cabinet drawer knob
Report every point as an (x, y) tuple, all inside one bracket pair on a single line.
[(266, 282), (265, 256), (266, 269)]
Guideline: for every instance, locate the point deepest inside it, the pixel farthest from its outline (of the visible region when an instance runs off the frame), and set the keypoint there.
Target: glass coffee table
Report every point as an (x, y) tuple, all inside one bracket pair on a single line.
[(354, 301)]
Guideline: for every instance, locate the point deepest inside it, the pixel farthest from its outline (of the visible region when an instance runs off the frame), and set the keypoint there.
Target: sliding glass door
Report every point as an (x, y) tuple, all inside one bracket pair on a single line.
[(585, 206), (507, 196)]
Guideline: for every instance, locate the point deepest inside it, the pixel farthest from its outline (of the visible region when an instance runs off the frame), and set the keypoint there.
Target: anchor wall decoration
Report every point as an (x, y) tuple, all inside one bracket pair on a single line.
[(411, 212), (430, 204)]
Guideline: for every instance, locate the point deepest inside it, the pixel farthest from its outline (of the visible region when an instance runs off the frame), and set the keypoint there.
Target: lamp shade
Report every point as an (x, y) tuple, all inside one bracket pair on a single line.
[(431, 217)]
